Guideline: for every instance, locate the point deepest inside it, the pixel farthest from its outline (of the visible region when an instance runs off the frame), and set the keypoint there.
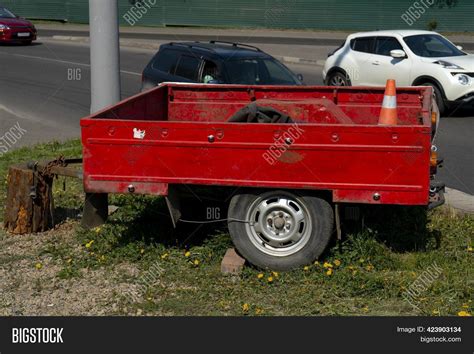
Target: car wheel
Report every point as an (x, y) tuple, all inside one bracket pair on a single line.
[(27, 42), (438, 97), (280, 230), (338, 79)]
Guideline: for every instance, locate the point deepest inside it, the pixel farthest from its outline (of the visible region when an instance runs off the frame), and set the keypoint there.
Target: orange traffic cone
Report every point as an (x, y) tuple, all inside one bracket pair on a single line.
[(388, 114)]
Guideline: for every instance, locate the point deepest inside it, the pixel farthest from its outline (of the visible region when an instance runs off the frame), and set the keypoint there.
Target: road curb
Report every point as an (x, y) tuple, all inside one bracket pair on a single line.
[(144, 45), (460, 201)]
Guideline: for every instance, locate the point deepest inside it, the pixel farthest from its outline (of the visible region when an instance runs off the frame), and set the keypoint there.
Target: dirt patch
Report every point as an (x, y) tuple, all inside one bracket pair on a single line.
[(30, 286)]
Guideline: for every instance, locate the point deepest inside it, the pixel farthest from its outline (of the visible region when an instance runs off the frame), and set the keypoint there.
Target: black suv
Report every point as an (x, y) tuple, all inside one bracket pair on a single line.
[(216, 62)]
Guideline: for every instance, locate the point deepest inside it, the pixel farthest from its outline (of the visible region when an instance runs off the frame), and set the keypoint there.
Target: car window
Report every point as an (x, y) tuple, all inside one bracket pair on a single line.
[(384, 45), (243, 71), (363, 44), (5, 13), (210, 73), (258, 72), (188, 67), (432, 46), (278, 73), (166, 60)]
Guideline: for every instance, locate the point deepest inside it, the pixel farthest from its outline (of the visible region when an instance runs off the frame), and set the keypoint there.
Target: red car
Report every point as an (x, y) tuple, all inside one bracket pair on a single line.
[(15, 29)]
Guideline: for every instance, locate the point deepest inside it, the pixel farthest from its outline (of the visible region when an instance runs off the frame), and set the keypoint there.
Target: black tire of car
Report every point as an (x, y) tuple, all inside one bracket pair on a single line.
[(322, 222), (27, 42), (438, 97), (340, 77)]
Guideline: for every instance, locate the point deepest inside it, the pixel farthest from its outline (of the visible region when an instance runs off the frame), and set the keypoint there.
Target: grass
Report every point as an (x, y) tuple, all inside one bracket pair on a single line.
[(367, 273)]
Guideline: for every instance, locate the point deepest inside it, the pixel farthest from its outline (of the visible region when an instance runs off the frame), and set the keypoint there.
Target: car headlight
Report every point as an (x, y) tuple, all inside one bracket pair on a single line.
[(448, 65), (464, 79), (2, 27)]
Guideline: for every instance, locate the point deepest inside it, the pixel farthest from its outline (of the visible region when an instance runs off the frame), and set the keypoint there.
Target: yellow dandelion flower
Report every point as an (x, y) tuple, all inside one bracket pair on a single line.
[(258, 311), (306, 268), (89, 244), (97, 229), (327, 265), (275, 274), (102, 258), (317, 263), (365, 309), (337, 262), (260, 276), (149, 298), (469, 249), (187, 254), (245, 307), (354, 272), (164, 256), (351, 267), (38, 266), (69, 261), (329, 272), (435, 312), (196, 262), (464, 314), (270, 279), (142, 251), (369, 267)]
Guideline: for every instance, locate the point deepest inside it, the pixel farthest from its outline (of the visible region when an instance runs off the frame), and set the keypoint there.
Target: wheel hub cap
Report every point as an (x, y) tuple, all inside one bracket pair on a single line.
[(280, 224)]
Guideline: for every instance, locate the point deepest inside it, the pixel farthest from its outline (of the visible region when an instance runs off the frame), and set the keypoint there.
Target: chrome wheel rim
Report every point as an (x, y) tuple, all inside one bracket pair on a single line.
[(337, 80), (280, 224)]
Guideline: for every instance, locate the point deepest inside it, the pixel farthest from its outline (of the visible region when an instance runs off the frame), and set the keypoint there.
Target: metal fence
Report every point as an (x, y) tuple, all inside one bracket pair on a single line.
[(444, 15)]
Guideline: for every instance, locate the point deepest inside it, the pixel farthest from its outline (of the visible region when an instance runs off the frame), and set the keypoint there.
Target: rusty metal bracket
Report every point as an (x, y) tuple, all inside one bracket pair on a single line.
[(57, 167)]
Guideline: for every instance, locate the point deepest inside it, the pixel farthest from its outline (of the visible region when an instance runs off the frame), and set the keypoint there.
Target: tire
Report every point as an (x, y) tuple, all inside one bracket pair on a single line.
[(338, 78), (303, 222), (27, 42), (438, 97)]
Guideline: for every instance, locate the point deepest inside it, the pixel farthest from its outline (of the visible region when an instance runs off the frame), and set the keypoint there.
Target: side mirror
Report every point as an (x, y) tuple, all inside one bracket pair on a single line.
[(398, 54), (300, 77), (459, 47)]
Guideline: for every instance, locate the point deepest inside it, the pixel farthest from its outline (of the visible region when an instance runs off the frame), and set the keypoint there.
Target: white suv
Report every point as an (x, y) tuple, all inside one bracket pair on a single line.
[(412, 58)]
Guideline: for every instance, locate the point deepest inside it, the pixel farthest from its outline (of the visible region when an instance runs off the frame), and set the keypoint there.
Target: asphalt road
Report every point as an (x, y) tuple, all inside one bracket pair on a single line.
[(46, 88), (314, 41)]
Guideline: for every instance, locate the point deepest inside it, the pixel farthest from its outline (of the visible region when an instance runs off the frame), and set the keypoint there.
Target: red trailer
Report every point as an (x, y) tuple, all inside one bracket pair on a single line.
[(286, 177)]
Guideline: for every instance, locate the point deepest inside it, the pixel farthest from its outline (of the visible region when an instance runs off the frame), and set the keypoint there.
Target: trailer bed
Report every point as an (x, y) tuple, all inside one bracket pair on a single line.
[(180, 134)]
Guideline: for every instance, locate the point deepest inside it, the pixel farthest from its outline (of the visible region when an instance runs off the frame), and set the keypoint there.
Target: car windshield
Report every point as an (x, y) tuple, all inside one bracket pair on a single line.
[(257, 71), (432, 46), (5, 13)]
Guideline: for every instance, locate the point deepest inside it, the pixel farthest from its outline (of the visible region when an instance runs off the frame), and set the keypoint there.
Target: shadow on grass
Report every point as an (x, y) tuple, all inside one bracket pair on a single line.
[(401, 228), (152, 223)]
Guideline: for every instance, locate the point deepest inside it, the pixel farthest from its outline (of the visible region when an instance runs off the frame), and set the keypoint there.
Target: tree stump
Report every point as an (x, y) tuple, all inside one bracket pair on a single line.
[(29, 204)]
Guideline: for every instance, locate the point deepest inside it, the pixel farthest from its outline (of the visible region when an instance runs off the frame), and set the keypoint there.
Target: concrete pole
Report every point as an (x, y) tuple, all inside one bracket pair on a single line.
[(105, 84), (105, 53)]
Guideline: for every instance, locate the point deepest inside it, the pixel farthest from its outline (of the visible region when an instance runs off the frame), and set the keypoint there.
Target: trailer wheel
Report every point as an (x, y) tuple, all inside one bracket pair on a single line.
[(280, 230)]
